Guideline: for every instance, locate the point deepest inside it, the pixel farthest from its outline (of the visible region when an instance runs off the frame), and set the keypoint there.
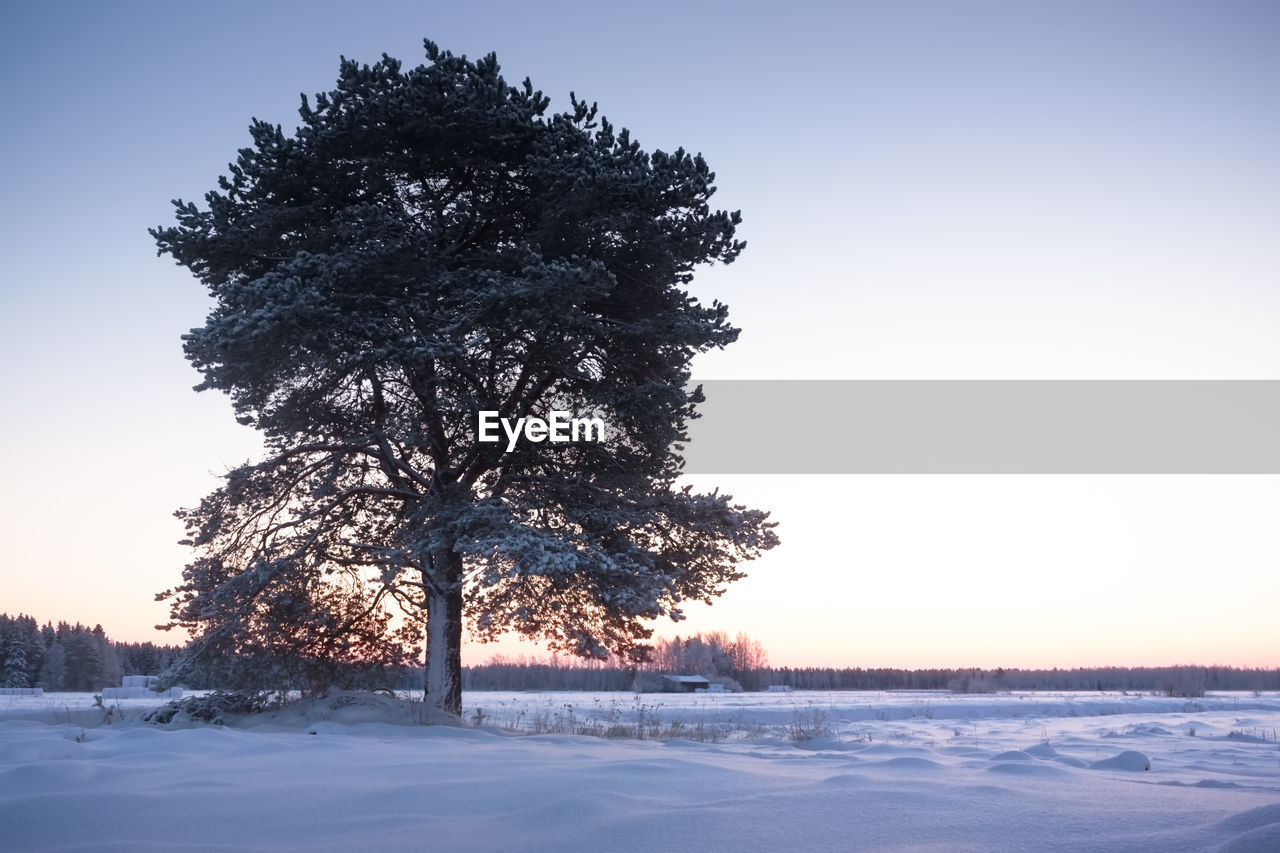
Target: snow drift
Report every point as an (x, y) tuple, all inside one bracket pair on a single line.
[(351, 773)]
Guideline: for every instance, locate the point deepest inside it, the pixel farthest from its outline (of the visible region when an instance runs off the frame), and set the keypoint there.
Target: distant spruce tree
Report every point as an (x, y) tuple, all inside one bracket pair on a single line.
[(13, 654), (22, 651), (84, 660), (427, 245), (53, 675)]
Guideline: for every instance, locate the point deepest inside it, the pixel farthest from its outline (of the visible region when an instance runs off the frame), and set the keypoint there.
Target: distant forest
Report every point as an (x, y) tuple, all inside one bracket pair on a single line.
[(521, 674), (67, 657), (72, 657)]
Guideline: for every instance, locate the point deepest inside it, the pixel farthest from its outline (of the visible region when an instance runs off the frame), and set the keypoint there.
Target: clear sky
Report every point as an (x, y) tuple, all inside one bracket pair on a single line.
[(929, 190)]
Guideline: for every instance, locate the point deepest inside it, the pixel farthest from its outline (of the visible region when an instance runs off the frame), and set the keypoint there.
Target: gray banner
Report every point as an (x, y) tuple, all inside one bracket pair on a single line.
[(986, 427)]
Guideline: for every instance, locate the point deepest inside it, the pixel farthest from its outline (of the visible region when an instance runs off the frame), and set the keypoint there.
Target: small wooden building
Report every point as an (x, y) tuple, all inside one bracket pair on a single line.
[(684, 683)]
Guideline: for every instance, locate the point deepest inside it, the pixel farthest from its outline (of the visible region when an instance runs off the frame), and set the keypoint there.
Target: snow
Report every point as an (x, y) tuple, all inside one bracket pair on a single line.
[(801, 771)]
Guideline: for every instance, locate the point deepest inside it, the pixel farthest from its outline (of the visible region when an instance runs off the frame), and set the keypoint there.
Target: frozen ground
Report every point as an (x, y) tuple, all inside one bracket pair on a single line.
[(803, 771)]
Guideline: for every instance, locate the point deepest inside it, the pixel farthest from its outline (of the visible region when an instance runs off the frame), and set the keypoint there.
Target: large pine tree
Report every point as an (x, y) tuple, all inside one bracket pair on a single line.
[(428, 244)]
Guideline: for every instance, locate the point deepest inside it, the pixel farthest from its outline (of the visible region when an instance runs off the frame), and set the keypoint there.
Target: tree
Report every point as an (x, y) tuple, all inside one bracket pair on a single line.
[(53, 675), (427, 245), (84, 660), (747, 655), (13, 654), (21, 651), (314, 638), (111, 669)]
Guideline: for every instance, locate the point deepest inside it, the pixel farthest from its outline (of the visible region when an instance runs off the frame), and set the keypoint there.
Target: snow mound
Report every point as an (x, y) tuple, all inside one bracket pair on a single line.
[(1130, 759), (1047, 753), (1035, 770), (341, 707), (1254, 831), (910, 762), (1247, 821), (1264, 839)]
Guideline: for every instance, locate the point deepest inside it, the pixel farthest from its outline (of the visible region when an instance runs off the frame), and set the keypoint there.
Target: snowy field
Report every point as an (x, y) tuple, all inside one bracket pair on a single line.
[(800, 771)]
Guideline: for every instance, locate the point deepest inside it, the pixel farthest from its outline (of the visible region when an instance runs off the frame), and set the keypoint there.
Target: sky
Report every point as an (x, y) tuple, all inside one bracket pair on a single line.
[(929, 191)]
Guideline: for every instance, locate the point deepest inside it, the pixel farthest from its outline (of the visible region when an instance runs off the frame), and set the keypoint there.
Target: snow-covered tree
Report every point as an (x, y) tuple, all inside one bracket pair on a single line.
[(429, 244), (112, 670), (21, 651), (53, 675), (13, 656), (84, 660)]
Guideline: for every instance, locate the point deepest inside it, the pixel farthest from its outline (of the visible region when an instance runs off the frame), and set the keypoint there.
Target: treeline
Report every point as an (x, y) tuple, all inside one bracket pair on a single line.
[(69, 657), (738, 663), (741, 663), (1171, 680), (66, 657), (502, 673)]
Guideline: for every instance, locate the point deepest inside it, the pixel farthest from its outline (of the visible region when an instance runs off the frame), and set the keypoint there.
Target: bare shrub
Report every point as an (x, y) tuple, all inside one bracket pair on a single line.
[(809, 724)]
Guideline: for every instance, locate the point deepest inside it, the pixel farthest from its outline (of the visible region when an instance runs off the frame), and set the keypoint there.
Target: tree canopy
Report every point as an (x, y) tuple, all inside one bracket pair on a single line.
[(428, 244)]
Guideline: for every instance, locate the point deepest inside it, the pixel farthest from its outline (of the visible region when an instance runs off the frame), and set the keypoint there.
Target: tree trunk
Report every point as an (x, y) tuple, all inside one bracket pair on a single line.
[(444, 636)]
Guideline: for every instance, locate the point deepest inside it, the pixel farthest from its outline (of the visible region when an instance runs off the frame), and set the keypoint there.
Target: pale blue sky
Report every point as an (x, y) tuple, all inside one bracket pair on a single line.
[(929, 190)]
